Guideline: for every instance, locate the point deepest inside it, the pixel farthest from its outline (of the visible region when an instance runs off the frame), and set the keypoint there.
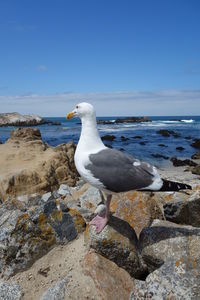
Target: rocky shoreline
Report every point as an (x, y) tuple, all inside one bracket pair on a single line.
[(48, 250), (16, 119)]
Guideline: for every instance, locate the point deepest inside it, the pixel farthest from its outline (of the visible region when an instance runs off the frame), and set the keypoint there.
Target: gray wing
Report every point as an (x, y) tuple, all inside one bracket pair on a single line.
[(120, 172)]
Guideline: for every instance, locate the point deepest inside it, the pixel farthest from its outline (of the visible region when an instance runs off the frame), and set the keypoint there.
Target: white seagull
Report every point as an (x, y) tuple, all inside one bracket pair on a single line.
[(110, 170)]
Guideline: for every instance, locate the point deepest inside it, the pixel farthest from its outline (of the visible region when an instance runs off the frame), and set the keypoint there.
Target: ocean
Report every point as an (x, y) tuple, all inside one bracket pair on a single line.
[(140, 139)]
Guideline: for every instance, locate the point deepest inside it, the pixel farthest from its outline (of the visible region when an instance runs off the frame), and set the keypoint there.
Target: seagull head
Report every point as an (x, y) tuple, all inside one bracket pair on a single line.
[(82, 110)]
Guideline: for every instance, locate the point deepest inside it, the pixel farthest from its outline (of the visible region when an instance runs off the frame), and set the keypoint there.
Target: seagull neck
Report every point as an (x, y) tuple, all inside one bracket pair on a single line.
[(90, 138)]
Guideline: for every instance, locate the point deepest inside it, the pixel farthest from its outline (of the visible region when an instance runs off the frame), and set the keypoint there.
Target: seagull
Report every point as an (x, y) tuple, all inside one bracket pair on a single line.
[(110, 170)]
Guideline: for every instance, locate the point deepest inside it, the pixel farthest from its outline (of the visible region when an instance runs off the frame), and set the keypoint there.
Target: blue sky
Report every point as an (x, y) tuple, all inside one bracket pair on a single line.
[(125, 56)]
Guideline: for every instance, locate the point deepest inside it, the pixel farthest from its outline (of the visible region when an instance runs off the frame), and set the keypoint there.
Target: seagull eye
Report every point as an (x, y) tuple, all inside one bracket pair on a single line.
[(76, 106)]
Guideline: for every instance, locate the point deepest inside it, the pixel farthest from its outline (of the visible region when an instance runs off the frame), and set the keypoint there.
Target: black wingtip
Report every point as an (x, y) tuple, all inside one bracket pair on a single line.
[(172, 186)]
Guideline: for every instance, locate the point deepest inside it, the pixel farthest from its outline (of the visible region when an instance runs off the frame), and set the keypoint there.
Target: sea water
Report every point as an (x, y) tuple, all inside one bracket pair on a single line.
[(187, 128)]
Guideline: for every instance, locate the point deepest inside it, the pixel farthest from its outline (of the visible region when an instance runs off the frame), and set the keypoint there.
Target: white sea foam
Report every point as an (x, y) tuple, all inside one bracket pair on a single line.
[(188, 121)]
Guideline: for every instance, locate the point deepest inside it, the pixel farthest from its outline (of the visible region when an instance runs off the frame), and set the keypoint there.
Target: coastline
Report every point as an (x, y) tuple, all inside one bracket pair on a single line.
[(49, 247)]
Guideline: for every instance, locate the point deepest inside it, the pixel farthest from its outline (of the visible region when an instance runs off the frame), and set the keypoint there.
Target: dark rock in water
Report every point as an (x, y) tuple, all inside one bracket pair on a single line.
[(109, 146), (137, 137), (123, 138), (196, 155), (132, 120), (162, 145), (157, 155), (185, 162), (56, 123), (188, 137), (108, 137), (168, 133), (196, 170), (122, 149), (105, 122), (125, 120), (142, 143), (196, 143), (180, 148)]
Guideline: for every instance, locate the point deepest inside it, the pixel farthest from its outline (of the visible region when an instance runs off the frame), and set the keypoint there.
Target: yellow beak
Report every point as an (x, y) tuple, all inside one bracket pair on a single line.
[(70, 115)]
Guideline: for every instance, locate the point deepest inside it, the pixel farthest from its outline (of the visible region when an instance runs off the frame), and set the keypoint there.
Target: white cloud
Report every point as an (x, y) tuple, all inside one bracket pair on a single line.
[(163, 102)]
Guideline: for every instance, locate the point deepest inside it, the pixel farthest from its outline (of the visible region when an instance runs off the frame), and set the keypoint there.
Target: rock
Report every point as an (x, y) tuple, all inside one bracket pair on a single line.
[(196, 170), (132, 120), (185, 162), (136, 208), (162, 145), (196, 143), (25, 134), (64, 190), (26, 236), (46, 197), (157, 155), (188, 137), (168, 133), (107, 276), (165, 240), (184, 212), (177, 279), (91, 198), (108, 137), (196, 155), (117, 242), (142, 143), (57, 291), (124, 139), (180, 148), (10, 291), (137, 137), (16, 119), (30, 166)]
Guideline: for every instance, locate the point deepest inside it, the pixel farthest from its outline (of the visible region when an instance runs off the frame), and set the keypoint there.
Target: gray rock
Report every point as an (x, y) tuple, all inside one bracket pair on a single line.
[(26, 236), (165, 240), (184, 212), (117, 242), (10, 291), (85, 213), (46, 197), (64, 190), (57, 291), (176, 279), (91, 198)]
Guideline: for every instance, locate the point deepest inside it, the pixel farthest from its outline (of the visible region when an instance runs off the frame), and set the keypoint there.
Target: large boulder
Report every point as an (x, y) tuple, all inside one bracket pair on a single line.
[(136, 208), (184, 211), (107, 276), (177, 279), (165, 240), (26, 236), (28, 165), (117, 242)]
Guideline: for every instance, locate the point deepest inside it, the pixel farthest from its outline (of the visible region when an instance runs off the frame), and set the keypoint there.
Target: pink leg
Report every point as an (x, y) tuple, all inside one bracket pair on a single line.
[(100, 222)]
